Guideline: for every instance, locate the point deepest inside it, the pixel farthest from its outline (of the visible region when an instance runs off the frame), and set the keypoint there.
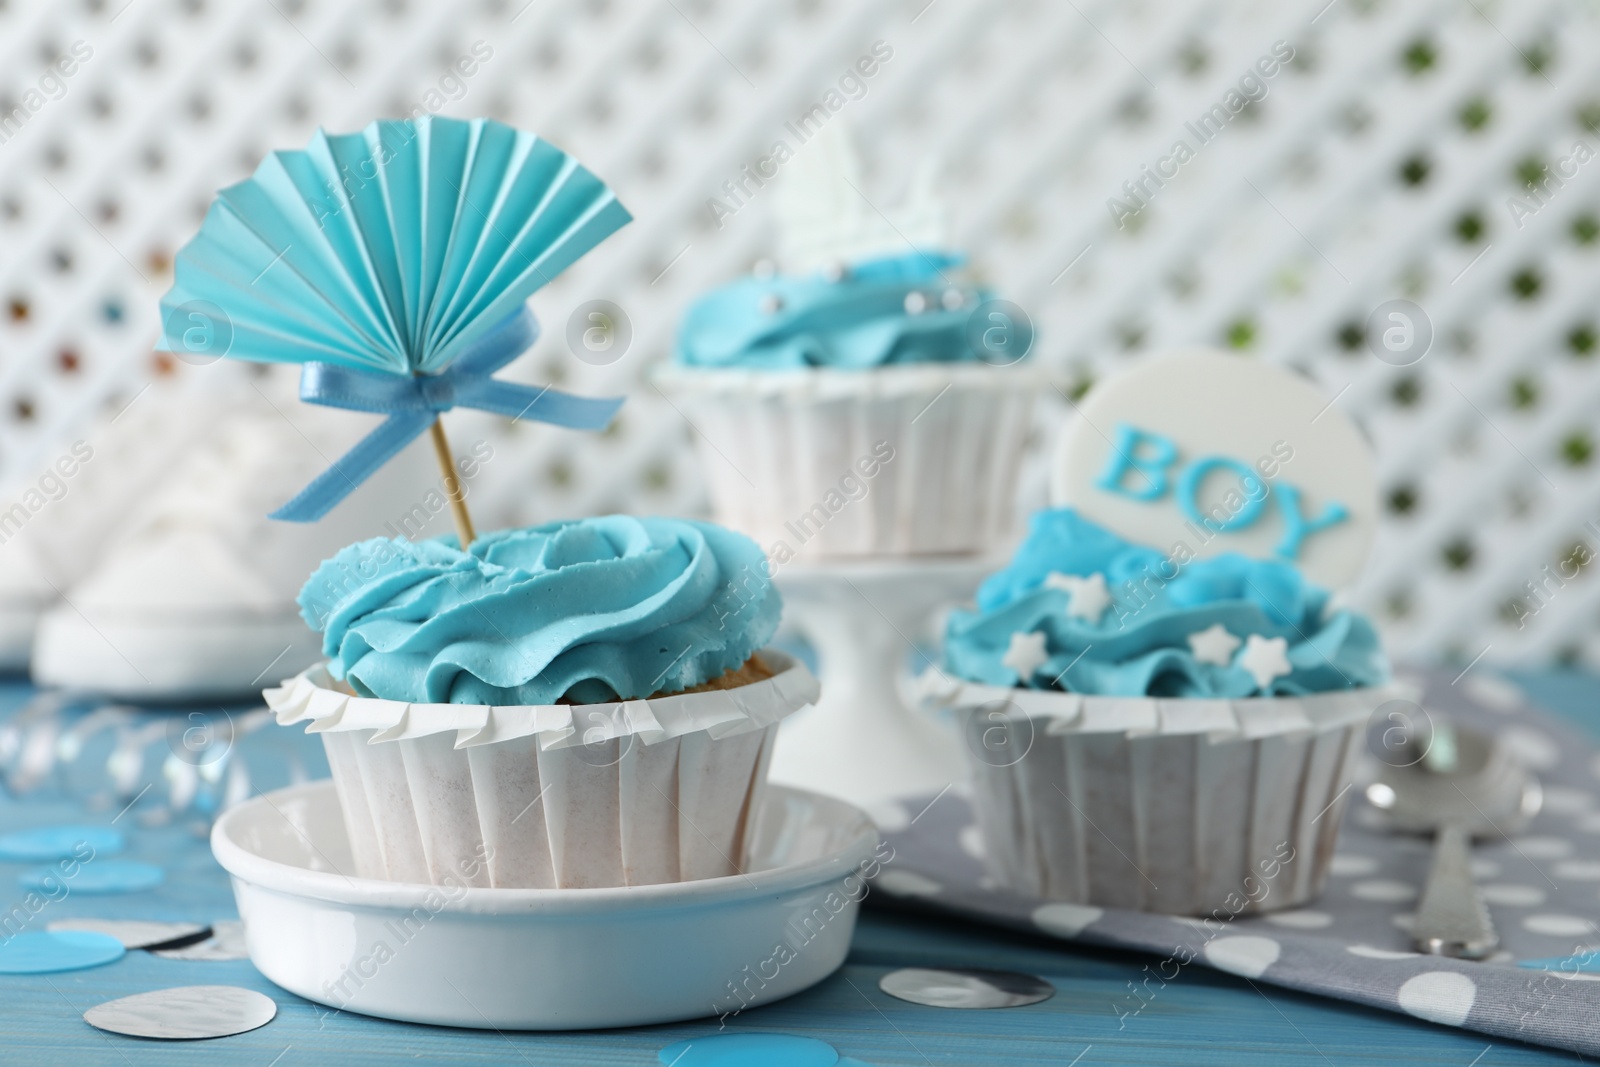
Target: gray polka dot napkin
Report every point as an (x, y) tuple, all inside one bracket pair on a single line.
[(1542, 887)]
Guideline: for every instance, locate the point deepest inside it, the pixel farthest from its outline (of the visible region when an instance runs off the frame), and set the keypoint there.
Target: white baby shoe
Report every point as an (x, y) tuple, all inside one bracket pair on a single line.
[(73, 497), (25, 593), (197, 601)]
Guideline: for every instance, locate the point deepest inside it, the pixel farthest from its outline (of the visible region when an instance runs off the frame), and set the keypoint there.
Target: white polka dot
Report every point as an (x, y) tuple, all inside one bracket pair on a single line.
[(1494, 692), (1408, 684), (1371, 953), (890, 817), (1411, 844), (1187, 920), (1564, 800), (1577, 870), (971, 839), (1384, 890), (1439, 997), (1065, 920), (1482, 868), (906, 884), (1301, 920), (1513, 896), (1500, 956), (1589, 822), (1533, 747), (1543, 848), (1371, 819), (1347, 864), (1249, 956), (1404, 921), (1558, 925)]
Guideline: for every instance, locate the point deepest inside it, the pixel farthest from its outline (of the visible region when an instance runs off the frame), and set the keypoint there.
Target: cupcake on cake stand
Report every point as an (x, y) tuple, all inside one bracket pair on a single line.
[(862, 415)]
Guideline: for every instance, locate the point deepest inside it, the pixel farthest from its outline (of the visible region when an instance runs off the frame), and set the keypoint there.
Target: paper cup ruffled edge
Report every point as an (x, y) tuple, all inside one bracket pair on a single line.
[(1194, 803), (957, 431), (529, 797), (309, 697)]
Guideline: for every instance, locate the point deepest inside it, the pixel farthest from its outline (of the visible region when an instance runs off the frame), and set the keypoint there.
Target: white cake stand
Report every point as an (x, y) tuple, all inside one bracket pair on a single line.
[(860, 742)]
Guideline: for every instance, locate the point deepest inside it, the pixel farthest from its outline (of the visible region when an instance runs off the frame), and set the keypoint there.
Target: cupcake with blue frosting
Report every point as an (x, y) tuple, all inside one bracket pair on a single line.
[(581, 704), (866, 408), (1156, 732)]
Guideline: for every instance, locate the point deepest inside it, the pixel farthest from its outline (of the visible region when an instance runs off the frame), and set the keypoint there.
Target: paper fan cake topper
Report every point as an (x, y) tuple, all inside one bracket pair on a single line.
[(394, 264)]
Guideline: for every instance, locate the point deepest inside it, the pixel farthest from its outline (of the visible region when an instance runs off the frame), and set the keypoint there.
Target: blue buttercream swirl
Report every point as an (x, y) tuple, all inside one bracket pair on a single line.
[(588, 611), (860, 318), (1140, 645)]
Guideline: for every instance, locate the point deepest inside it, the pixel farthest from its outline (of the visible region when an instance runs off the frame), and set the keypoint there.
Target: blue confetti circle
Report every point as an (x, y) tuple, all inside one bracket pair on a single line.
[(746, 1050), (58, 842), (96, 876), (40, 952)]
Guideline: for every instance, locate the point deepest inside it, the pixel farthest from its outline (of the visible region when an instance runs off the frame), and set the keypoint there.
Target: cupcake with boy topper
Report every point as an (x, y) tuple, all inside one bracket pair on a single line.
[(579, 704), (1163, 704)]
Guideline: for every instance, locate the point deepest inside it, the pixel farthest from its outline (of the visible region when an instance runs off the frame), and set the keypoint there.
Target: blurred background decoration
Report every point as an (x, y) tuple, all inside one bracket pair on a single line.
[(1389, 158)]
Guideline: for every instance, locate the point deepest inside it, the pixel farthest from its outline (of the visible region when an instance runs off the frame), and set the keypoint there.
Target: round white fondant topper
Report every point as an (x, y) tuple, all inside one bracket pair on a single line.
[(1200, 452)]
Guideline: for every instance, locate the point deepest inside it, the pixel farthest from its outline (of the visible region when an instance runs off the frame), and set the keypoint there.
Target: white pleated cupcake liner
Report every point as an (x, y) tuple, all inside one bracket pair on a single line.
[(636, 792), (779, 448), (1168, 805)]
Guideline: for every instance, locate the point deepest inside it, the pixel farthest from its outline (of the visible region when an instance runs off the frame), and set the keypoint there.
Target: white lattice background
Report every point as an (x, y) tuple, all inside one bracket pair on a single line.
[(1378, 166)]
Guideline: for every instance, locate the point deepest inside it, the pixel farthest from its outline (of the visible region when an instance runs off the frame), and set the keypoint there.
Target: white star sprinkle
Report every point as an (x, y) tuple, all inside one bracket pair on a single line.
[(1265, 658), (1214, 645), (1088, 597), (1026, 654)]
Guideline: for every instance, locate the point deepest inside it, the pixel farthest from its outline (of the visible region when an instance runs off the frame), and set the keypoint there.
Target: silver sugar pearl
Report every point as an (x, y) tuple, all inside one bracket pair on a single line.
[(953, 299), (836, 271), (916, 302), (771, 304)]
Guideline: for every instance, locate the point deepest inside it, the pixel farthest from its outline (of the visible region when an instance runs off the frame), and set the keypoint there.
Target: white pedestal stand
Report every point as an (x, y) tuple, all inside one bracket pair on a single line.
[(861, 742)]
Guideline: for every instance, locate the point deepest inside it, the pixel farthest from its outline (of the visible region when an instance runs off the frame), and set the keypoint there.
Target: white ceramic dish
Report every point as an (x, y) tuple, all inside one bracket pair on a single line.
[(544, 959)]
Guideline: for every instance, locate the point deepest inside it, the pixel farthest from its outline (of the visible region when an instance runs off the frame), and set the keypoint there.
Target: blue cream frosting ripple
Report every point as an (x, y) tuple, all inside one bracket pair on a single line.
[(855, 320), (589, 611), (1140, 644)]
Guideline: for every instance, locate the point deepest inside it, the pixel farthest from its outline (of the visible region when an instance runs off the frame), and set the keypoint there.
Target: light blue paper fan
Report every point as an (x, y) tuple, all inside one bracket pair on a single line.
[(395, 263)]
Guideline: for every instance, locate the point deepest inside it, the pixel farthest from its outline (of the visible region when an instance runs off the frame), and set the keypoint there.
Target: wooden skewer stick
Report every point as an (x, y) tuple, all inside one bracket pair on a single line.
[(452, 485)]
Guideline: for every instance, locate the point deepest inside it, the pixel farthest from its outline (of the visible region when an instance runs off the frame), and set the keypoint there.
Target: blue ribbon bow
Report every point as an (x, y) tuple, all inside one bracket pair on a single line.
[(412, 403)]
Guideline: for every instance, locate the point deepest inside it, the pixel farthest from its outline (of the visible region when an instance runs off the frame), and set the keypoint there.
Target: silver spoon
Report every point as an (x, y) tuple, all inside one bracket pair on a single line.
[(1461, 785)]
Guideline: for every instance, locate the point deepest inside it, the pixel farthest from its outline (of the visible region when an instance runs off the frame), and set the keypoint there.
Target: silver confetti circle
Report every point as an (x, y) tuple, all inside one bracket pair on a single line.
[(133, 933), (225, 943), (184, 1013), (965, 988)]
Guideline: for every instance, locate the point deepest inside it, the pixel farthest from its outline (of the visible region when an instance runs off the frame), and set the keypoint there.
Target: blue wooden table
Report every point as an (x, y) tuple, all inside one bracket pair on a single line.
[(1207, 1018)]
